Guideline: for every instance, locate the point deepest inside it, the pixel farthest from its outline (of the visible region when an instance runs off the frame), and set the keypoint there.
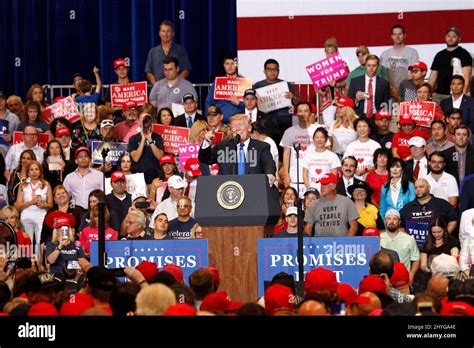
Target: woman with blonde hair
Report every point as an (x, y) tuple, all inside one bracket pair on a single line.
[(342, 130), (197, 132), (34, 199), (154, 300), (11, 216), (88, 127)]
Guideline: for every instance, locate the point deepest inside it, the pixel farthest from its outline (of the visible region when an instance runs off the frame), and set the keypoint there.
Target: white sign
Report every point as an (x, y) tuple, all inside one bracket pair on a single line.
[(135, 184), (178, 109), (272, 97)]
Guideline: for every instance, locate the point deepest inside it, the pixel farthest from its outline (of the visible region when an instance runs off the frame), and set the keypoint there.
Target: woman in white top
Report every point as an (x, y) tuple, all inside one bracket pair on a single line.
[(363, 148), (318, 160), (342, 131), (34, 199)]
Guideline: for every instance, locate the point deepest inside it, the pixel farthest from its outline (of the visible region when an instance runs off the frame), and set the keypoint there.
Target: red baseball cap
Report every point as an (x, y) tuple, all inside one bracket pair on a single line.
[(180, 309), (62, 221), (148, 269), (345, 101), (381, 114), (457, 308), (42, 309), (167, 159), (329, 178), (51, 218), (77, 304), (118, 175), (278, 297), (215, 276), (372, 283), (400, 277), (129, 105), (418, 65), (62, 131), (371, 232), (193, 166), (320, 280), (219, 301), (82, 148), (175, 271), (119, 62), (346, 293), (214, 169)]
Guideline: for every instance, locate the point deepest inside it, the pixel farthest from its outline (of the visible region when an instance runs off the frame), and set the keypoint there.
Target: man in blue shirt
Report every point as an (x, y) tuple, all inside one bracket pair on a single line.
[(156, 55)]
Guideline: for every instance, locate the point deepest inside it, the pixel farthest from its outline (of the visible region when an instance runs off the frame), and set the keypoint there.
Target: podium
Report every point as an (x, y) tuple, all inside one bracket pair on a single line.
[(234, 211)]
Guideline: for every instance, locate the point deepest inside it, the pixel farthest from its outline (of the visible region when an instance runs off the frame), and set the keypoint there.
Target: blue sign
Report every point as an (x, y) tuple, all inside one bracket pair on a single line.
[(348, 257), (116, 149), (419, 231), (190, 255)]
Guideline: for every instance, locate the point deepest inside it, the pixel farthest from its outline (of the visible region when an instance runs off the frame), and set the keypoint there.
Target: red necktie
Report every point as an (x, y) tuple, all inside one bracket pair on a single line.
[(370, 102), (186, 191), (416, 170)]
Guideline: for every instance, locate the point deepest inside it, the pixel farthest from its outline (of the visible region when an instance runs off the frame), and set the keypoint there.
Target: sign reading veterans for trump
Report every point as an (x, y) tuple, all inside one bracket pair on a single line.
[(324, 71), (190, 255), (227, 88), (348, 257), (122, 93), (172, 136), (116, 149), (271, 98), (422, 112), (43, 139), (65, 108)]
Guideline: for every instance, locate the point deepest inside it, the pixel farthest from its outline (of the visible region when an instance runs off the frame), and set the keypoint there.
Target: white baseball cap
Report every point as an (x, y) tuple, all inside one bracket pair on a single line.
[(417, 141), (176, 182), (392, 212), (291, 211)]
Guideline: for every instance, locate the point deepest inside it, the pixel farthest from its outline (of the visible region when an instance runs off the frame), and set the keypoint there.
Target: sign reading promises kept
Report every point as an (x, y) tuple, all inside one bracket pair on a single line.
[(227, 88)]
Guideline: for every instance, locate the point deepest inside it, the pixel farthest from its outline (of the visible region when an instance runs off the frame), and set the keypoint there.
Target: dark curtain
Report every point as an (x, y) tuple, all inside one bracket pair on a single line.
[(47, 41)]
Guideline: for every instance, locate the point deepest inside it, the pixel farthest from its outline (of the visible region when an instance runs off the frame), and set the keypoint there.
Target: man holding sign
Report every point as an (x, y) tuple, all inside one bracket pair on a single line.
[(232, 106)]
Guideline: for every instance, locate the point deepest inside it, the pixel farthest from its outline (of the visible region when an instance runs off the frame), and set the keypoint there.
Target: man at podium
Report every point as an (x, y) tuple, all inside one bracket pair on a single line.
[(240, 155)]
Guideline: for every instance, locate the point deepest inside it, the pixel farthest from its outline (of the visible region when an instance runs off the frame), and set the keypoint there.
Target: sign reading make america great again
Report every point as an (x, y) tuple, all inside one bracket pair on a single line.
[(190, 255), (348, 257)]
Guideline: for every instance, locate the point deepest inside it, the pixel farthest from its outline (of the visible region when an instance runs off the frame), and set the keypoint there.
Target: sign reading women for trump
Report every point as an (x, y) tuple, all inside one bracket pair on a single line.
[(190, 255), (422, 112), (324, 71), (348, 257), (122, 93), (231, 87), (272, 97)]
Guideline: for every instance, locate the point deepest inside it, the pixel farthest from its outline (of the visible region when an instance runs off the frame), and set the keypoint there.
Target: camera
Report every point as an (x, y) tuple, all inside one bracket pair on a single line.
[(64, 232), (142, 205)]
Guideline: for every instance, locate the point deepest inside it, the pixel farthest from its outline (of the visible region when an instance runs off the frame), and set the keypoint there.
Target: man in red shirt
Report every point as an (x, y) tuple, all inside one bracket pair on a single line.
[(400, 147)]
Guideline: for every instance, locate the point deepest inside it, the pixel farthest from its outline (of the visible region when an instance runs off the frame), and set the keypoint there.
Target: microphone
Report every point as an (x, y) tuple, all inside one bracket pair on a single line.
[(237, 139)]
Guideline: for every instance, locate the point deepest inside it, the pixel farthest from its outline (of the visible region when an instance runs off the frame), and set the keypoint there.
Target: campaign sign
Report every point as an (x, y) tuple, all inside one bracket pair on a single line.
[(271, 98), (116, 149), (135, 184), (186, 152), (43, 139), (135, 91), (3, 130), (324, 71), (227, 88), (65, 108), (190, 255), (172, 136), (422, 112), (419, 231), (348, 257)]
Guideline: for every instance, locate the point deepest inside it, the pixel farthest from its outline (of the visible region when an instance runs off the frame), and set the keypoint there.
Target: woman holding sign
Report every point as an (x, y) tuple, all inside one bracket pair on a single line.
[(55, 167)]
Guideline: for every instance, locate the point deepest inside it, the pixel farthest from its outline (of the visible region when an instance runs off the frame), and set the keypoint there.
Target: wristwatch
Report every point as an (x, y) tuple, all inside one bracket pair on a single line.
[(149, 142)]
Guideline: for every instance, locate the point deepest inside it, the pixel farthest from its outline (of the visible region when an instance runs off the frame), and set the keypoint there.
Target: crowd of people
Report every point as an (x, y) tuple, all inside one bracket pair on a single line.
[(358, 166)]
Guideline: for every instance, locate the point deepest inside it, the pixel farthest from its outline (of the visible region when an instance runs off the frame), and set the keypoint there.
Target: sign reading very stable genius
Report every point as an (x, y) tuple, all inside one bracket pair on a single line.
[(348, 257)]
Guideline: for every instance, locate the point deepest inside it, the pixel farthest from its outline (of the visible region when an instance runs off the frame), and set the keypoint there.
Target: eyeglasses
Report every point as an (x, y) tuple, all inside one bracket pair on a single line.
[(30, 134), (183, 206), (77, 80)]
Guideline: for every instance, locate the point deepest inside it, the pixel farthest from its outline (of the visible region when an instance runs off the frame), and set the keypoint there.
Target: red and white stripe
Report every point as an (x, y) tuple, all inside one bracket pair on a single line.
[(293, 32)]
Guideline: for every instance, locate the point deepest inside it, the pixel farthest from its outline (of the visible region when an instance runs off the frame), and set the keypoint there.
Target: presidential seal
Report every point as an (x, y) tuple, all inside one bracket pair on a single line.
[(230, 195)]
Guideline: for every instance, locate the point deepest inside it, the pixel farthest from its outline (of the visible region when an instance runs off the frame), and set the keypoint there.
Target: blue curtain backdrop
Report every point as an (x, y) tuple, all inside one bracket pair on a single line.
[(47, 41)]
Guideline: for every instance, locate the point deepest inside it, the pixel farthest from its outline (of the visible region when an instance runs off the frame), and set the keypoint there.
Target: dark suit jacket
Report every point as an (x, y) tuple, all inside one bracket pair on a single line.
[(409, 168), (180, 121), (341, 189), (382, 93), (466, 107), (226, 149), (452, 162)]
